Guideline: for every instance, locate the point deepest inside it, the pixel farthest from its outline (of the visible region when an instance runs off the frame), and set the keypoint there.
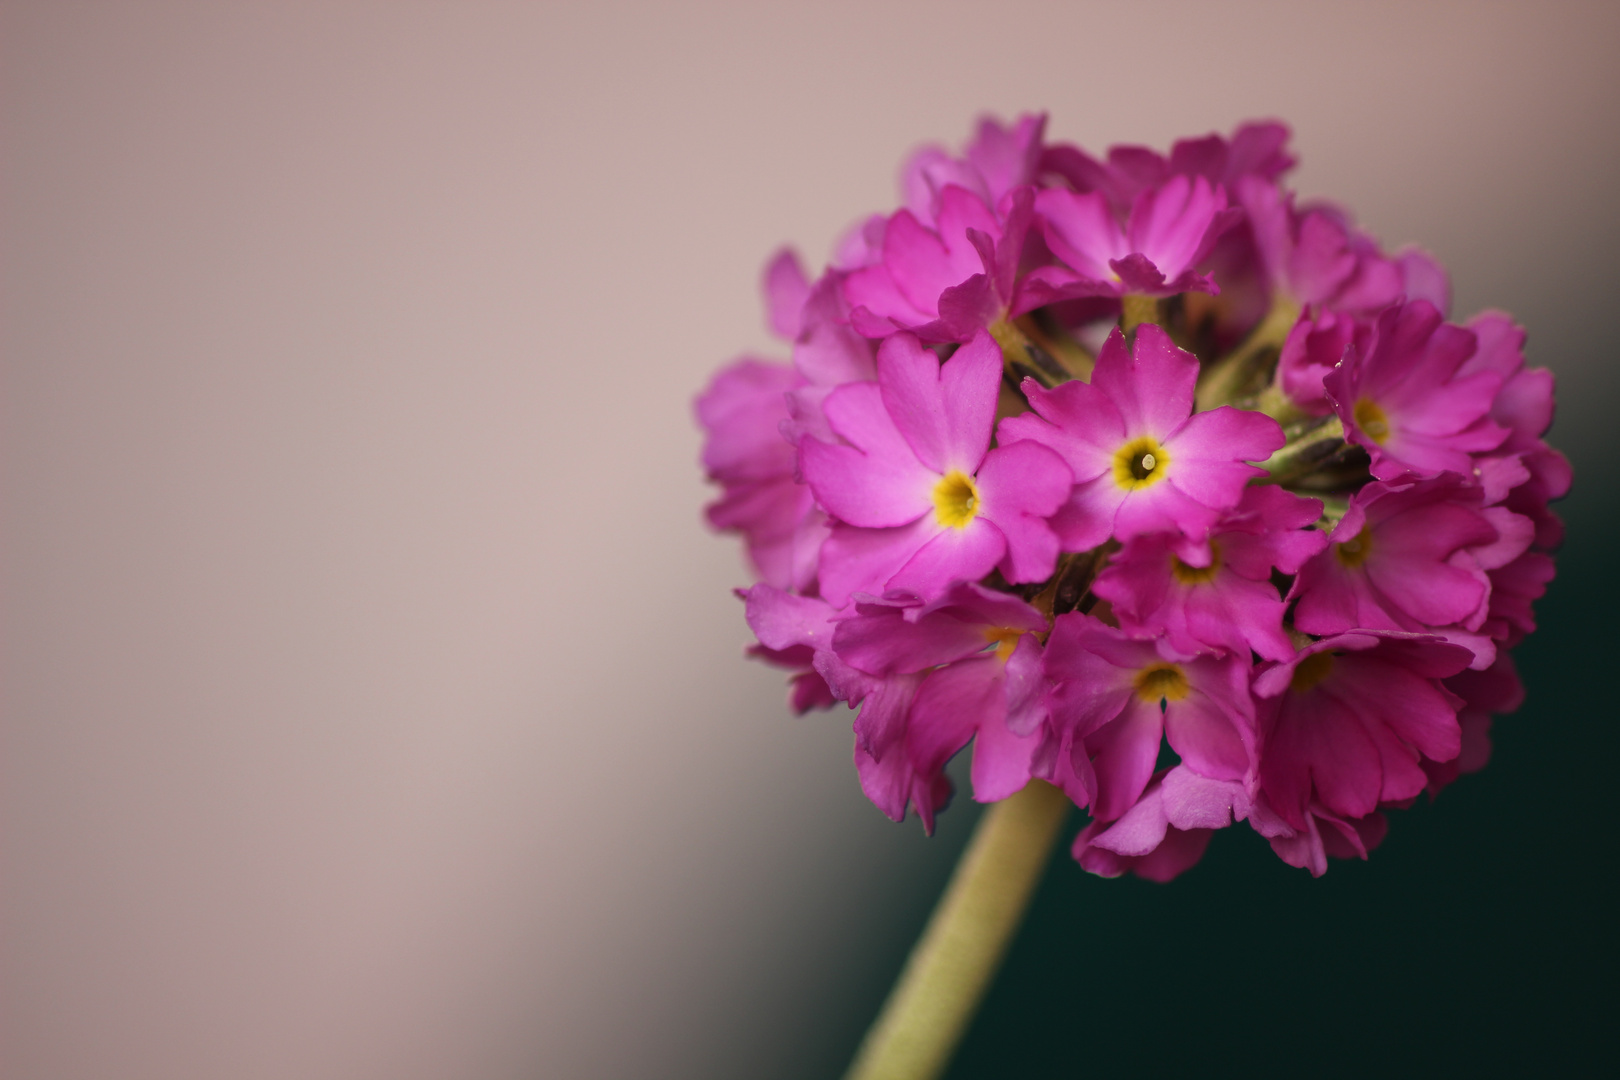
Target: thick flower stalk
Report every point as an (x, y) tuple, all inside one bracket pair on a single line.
[(1147, 480)]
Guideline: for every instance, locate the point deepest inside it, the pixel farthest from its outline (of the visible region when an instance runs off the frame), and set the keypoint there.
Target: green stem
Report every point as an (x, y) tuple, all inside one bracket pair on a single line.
[(1135, 310), (951, 966), (1306, 451), (1222, 382)]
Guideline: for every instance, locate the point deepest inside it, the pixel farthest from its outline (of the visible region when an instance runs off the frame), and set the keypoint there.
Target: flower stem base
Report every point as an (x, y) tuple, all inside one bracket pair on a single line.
[(950, 968)]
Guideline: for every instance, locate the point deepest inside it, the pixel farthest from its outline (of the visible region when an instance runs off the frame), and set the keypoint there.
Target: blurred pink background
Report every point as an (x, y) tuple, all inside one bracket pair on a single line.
[(373, 701)]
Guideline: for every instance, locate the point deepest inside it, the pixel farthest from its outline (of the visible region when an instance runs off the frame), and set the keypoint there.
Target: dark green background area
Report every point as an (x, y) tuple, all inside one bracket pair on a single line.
[(1479, 939)]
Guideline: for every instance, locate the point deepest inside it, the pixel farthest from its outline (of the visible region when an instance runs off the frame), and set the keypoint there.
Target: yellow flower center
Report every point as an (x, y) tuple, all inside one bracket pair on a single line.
[(1161, 682), (1140, 462), (1310, 671), (1006, 640), (1372, 421), (1196, 575), (956, 499), (1354, 551)]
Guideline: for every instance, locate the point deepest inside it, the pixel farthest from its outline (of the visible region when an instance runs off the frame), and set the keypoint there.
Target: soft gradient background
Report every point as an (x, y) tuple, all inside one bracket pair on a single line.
[(373, 701)]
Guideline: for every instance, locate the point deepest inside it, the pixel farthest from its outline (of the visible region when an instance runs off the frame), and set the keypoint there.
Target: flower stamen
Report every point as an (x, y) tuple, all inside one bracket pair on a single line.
[(1005, 640), (1310, 671), (1353, 552), (1139, 463), (956, 499), (1161, 682), (1188, 574), (1372, 421)]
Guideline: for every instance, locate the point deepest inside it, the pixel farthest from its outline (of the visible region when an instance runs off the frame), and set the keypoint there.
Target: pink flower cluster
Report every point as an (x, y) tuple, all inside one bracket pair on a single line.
[(1150, 481)]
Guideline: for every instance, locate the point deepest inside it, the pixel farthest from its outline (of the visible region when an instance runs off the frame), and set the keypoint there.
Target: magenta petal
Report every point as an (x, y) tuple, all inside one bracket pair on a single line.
[(920, 262), (1001, 757), (1164, 507), (950, 705), (1192, 801), (1179, 853), (875, 290), (1174, 225), (1076, 419), (979, 605), (1208, 452), (1404, 777), (1139, 829), (863, 560), (1343, 759), (1153, 387), (1212, 727), (895, 781), (965, 554), (786, 290), (742, 410), (885, 706), (1137, 274), (1021, 485), (1302, 849), (882, 644), (1423, 278), (887, 783), (963, 310), (1026, 687), (1087, 519), (1126, 750), (1080, 230), (877, 482), (902, 635), (1322, 260), (782, 620), (1413, 707), (944, 413), (1089, 690)]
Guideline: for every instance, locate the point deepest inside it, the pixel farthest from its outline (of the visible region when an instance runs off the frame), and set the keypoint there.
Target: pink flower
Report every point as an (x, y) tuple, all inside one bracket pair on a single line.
[(1514, 589), (1169, 827), (1412, 556), (1524, 406), (1346, 722), (998, 160), (1255, 149), (1315, 256), (791, 631), (948, 280), (919, 500), (827, 354), (1314, 347), (1407, 401), (1497, 689), (977, 664), (1141, 841), (1153, 253), (1218, 594), (742, 411), (1142, 462), (786, 289), (1324, 833), (1114, 698)]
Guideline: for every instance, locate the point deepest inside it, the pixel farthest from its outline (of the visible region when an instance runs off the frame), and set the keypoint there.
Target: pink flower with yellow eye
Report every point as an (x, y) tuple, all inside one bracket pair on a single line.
[(1143, 462), (1409, 400), (920, 499)]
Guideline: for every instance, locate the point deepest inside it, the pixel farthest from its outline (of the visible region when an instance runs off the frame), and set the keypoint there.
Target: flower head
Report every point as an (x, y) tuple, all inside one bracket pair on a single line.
[(1139, 476)]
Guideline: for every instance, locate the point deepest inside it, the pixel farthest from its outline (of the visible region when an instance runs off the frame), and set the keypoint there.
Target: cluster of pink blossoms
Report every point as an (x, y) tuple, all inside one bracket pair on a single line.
[(1149, 481)]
